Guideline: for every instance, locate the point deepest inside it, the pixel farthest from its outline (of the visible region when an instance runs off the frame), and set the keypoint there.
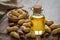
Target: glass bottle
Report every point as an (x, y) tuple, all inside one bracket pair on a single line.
[(38, 21)]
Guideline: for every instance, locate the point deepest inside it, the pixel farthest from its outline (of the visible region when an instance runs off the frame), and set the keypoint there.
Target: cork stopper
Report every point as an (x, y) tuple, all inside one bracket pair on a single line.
[(37, 9)]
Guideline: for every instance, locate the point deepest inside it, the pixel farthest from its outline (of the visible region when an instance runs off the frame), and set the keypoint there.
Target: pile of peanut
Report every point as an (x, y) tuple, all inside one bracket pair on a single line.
[(19, 25)]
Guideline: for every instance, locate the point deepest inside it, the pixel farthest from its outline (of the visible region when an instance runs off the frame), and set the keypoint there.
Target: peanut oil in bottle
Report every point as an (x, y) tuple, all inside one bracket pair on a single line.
[(38, 21)]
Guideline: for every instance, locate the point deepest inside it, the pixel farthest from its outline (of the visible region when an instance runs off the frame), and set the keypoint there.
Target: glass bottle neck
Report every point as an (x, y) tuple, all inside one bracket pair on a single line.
[(35, 13)]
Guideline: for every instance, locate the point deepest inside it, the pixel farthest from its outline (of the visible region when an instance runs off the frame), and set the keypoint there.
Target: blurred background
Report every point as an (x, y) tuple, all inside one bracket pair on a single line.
[(51, 8)]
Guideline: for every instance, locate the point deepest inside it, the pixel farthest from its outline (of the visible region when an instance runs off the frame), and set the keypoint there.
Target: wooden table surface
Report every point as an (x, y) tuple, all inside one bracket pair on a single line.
[(51, 11)]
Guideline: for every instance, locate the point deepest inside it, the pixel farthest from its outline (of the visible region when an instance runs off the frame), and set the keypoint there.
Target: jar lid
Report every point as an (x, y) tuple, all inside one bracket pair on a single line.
[(37, 8)]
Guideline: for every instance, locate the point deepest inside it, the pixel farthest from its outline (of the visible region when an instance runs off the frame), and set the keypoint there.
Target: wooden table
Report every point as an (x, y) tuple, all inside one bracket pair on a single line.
[(51, 11)]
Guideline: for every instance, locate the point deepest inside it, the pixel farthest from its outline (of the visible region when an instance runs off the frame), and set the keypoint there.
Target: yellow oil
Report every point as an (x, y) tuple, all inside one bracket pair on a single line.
[(38, 24)]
